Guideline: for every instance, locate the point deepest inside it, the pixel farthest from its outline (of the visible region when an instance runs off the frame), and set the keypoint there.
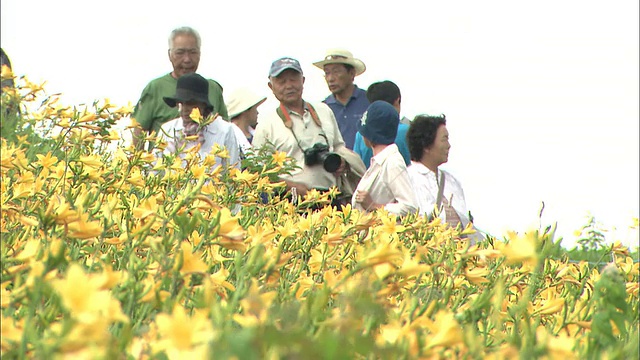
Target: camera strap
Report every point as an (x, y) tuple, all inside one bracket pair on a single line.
[(283, 113), (286, 117)]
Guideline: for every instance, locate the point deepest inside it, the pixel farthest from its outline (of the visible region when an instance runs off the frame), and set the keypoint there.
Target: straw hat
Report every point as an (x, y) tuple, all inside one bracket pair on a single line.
[(341, 56), (242, 100)]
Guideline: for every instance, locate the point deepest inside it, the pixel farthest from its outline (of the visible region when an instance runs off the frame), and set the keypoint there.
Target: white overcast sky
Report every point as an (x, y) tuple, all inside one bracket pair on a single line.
[(542, 98)]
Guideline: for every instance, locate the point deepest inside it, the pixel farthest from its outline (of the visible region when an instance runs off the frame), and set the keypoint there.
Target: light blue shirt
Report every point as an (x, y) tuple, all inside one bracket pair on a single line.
[(401, 141)]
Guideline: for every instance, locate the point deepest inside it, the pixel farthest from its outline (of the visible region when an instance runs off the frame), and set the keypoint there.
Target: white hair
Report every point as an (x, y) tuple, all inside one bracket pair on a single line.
[(184, 30)]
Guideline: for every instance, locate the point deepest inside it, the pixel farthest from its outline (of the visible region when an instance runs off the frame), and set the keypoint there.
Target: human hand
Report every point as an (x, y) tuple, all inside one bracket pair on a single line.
[(450, 213), (301, 189), (364, 198), (343, 169)]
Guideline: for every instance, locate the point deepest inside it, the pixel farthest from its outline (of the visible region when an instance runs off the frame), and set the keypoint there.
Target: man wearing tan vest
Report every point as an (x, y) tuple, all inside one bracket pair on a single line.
[(306, 132)]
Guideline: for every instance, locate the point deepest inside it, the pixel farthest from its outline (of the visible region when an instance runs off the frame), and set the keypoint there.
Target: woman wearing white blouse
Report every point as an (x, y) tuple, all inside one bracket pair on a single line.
[(428, 141), (386, 183)]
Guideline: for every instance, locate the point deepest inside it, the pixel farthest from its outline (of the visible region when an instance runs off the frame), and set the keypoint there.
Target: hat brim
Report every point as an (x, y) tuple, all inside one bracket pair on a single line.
[(173, 101), (248, 105), (357, 64), (279, 71)]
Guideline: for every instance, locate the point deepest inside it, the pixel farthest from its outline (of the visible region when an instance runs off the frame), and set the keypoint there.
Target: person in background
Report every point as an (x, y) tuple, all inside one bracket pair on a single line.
[(10, 114), (389, 92), (4, 60), (428, 140), (306, 132), (191, 92), (242, 106), (151, 111), (347, 101), (386, 183)]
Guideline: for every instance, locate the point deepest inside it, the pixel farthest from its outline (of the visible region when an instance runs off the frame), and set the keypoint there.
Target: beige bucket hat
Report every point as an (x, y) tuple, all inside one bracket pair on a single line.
[(241, 100), (341, 56)]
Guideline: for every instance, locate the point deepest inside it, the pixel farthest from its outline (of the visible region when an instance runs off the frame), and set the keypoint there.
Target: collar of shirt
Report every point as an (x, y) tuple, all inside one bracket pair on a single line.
[(357, 92), (384, 154), (305, 119), (423, 170)]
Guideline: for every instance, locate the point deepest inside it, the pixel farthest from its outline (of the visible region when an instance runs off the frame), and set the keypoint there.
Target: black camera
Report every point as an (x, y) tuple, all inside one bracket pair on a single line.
[(320, 154)]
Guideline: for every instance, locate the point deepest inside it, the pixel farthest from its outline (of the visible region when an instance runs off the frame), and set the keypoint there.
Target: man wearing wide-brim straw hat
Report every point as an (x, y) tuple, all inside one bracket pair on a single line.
[(242, 106), (347, 100)]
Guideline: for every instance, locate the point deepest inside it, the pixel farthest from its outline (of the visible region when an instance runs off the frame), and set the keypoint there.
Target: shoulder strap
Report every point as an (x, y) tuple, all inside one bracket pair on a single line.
[(283, 113), (440, 190), (314, 115)]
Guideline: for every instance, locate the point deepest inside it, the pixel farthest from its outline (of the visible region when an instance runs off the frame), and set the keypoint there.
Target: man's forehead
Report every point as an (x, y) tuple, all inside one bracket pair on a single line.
[(334, 65)]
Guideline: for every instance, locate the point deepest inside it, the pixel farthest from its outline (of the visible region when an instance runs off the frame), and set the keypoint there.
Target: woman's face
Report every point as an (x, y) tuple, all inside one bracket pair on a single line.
[(185, 108), (438, 152)]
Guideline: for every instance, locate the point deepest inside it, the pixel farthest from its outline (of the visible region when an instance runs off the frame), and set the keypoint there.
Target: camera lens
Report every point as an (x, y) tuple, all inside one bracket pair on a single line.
[(331, 161)]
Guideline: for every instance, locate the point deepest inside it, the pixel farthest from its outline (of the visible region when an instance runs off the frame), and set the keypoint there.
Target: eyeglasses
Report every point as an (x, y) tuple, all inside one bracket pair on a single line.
[(336, 72)]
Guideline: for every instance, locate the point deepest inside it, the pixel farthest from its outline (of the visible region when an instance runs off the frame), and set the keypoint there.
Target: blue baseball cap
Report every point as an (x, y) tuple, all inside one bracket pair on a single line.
[(282, 64)]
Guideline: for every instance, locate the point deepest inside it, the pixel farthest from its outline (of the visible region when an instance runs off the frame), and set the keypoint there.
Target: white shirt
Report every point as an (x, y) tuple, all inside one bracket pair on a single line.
[(271, 130), (387, 181), (218, 132), (425, 186), (241, 139)]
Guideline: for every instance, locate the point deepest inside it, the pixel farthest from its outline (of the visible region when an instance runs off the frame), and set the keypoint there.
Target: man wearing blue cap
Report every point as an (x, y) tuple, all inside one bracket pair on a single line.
[(306, 132), (386, 184)]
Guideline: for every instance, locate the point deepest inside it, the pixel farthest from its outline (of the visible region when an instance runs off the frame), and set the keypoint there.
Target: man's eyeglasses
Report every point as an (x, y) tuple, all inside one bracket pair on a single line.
[(336, 72)]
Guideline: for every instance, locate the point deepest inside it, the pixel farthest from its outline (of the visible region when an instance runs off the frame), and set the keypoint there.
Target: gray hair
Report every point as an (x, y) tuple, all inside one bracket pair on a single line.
[(185, 30)]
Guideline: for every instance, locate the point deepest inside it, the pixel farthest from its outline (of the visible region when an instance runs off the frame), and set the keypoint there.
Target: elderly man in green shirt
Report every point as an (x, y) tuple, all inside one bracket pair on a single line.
[(151, 111)]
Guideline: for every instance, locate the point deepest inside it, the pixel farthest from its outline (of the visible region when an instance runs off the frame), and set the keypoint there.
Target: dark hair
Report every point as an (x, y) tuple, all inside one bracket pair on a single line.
[(4, 60), (383, 90), (422, 133)]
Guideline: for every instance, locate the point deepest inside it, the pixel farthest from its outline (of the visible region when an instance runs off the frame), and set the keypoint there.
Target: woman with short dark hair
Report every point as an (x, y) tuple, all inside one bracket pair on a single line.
[(428, 141)]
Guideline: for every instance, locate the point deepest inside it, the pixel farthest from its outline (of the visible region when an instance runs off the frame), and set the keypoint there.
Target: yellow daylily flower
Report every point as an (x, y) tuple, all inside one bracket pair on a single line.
[(6, 73), (279, 157), (521, 249), (550, 306), (191, 261), (229, 226), (181, 334), (93, 161), (382, 254), (84, 228), (447, 331)]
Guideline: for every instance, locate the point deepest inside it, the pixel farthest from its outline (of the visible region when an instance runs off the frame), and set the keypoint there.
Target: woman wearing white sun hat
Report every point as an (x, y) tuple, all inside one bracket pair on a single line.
[(242, 106)]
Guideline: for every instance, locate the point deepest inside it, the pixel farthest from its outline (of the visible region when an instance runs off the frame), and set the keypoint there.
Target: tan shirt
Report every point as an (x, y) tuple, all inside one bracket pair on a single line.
[(271, 130)]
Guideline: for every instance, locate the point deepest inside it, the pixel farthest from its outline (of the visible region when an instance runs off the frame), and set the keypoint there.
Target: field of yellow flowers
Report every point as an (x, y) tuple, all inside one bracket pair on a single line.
[(118, 255)]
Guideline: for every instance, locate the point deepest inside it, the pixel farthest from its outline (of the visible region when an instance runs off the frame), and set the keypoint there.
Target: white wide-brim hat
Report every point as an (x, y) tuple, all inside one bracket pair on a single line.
[(341, 56), (241, 100)]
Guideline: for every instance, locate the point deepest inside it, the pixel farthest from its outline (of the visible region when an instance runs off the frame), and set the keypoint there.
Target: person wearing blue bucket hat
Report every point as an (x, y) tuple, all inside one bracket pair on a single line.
[(386, 183)]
